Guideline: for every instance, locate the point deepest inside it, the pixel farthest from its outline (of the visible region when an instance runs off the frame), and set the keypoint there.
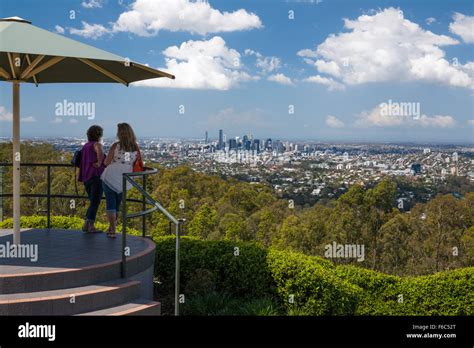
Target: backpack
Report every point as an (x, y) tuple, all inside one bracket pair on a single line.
[(76, 159)]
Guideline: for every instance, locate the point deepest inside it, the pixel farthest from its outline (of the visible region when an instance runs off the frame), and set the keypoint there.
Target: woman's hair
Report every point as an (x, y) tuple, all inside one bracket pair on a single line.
[(126, 137), (94, 133)]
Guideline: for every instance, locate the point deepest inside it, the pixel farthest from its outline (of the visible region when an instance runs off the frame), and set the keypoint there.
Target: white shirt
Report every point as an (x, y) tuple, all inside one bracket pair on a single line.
[(121, 163)]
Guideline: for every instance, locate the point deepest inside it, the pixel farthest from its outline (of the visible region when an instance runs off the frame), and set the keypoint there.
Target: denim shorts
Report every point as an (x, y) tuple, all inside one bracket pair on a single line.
[(112, 199)]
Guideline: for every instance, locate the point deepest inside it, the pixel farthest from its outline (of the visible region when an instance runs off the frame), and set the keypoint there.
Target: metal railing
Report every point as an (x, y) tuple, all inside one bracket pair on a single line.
[(146, 198), (128, 177)]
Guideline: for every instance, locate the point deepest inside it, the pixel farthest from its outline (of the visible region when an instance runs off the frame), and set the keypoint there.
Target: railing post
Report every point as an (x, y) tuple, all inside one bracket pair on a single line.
[(124, 225), (48, 199), (1, 193), (144, 207), (177, 268)]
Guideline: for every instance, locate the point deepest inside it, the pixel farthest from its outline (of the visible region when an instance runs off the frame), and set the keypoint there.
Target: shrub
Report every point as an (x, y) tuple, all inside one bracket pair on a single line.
[(379, 292), (243, 276), (262, 280), (311, 285), (59, 222), (443, 293)]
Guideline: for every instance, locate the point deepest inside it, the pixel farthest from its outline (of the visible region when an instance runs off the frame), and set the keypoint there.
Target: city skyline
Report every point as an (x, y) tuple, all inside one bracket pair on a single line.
[(315, 70)]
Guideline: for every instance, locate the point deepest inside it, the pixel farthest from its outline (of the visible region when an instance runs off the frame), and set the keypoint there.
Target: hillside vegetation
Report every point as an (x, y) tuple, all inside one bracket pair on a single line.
[(431, 237)]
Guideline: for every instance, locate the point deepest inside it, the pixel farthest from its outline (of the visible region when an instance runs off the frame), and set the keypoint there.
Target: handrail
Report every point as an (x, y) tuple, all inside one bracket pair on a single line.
[(128, 177), (146, 198), (48, 194)]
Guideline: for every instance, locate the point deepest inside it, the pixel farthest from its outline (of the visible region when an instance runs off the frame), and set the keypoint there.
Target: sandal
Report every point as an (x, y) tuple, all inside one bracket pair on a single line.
[(111, 234)]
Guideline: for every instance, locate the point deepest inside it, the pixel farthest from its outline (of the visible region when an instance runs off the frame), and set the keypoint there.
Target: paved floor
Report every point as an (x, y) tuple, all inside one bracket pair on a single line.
[(65, 249)]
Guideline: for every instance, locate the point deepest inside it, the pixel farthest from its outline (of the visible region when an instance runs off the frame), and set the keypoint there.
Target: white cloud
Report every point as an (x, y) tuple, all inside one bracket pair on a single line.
[(90, 31), (266, 64), (6, 116), (470, 122), (201, 65), (430, 20), (28, 119), (57, 120), (463, 26), (59, 29), (376, 117), (334, 122), (384, 46), (329, 82), (436, 121), (92, 3), (280, 78), (307, 53), (149, 17)]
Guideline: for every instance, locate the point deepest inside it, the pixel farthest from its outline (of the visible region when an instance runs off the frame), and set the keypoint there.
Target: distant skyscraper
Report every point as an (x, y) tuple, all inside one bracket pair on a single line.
[(220, 145), (206, 139)]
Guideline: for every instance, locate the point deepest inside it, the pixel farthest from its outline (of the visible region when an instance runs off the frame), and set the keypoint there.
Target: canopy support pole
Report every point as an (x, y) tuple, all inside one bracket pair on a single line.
[(16, 163)]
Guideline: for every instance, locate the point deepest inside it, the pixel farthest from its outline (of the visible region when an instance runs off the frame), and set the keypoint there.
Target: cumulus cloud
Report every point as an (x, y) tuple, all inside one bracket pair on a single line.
[(266, 64), (430, 20), (378, 118), (280, 78), (90, 31), (6, 116), (329, 82), (463, 26), (149, 17), (384, 46), (59, 29), (201, 65), (92, 4), (334, 122), (57, 120)]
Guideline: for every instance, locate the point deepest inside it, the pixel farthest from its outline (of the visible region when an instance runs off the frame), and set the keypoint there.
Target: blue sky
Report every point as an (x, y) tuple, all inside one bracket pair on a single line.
[(243, 65)]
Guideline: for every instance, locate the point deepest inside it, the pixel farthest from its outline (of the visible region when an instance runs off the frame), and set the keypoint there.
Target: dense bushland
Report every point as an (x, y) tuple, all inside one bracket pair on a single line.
[(431, 237)]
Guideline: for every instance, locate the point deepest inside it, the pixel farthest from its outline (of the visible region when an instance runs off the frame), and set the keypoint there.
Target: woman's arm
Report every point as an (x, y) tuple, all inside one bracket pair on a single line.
[(110, 155), (100, 154)]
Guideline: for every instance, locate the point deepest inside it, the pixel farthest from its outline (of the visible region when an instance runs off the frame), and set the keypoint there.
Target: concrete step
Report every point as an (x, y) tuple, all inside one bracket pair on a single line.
[(136, 307), (70, 301)]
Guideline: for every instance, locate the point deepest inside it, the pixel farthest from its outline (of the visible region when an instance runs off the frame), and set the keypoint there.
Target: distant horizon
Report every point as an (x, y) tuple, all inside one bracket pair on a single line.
[(316, 141)]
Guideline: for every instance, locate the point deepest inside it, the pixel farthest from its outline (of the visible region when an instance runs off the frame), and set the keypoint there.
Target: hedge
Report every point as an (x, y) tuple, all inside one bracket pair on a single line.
[(247, 270), (318, 286), (240, 272), (308, 284), (60, 222)]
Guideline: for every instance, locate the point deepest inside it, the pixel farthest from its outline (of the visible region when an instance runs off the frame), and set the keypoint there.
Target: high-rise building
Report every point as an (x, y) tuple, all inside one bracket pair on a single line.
[(268, 144), (256, 145), (220, 145), (206, 139)]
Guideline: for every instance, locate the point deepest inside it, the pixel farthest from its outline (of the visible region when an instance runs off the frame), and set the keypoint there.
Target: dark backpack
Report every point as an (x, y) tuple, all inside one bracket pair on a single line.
[(76, 159)]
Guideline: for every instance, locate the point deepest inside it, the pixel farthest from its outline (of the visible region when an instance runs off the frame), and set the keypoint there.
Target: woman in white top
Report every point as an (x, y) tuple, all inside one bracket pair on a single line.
[(120, 159)]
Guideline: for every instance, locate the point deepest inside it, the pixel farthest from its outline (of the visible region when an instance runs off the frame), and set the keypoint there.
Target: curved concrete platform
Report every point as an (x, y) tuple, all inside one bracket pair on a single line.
[(67, 272)]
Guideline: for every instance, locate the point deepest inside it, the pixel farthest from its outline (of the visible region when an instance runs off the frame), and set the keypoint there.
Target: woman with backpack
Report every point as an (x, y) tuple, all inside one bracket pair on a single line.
[(90, 169), (123, 157)]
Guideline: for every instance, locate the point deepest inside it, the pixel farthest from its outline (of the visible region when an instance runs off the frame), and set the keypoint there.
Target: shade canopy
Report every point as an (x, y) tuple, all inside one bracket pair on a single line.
[(31, 54)]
